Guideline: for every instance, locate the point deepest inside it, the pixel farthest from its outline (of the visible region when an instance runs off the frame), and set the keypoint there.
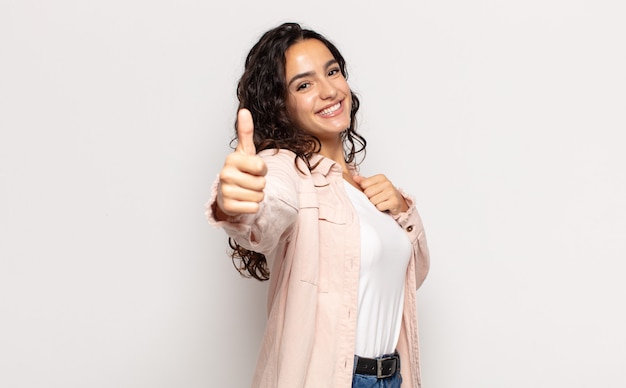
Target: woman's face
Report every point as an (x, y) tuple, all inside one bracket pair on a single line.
[(318, 96)]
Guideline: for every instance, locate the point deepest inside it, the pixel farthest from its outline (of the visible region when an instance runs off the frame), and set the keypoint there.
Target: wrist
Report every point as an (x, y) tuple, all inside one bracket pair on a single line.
[(219, 214)]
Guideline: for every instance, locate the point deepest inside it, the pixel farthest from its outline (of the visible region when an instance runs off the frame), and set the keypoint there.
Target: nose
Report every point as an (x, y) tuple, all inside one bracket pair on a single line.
[(328, 91)]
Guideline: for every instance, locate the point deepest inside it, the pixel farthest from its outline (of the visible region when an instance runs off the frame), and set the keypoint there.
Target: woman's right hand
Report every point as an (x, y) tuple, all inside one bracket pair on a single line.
[(242, 179)]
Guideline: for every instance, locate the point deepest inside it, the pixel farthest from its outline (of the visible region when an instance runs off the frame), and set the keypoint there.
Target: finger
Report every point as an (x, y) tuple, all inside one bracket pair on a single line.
[(245, 132), (380, 198), (358, 179), (383, 206), (375, 185), (392, 202), (372, 181), (233, 207), (241, 194), (235, 177), (250, 164), (372, 190), (364, 182)]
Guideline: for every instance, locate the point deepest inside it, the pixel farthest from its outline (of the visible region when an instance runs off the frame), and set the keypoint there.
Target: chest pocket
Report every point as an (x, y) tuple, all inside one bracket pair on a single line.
[(320, 201), (310, 264), (331, 207)]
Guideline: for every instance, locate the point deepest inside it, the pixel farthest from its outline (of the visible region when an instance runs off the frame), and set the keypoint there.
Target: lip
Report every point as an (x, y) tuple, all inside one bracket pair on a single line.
[(338, 111)]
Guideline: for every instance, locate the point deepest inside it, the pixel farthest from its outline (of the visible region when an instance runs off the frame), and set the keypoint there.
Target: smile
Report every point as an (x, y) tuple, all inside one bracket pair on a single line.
[(330, 110)]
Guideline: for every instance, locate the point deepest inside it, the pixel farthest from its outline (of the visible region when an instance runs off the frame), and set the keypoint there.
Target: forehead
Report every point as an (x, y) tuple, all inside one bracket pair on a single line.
[(306, 55)]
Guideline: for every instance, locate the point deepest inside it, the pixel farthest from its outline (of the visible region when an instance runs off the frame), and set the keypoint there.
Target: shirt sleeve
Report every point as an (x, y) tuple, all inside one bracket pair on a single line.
[(411, 222)]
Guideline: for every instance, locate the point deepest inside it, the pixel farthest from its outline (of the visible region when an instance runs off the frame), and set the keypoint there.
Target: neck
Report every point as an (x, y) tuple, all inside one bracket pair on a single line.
[(332, 147), (334, 152)]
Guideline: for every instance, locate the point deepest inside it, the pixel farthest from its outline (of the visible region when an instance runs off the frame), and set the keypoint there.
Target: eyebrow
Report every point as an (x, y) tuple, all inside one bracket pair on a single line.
[(310, 73)]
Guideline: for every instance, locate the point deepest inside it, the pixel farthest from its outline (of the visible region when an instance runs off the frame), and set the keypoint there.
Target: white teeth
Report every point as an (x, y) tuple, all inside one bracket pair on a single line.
[(330, 110)]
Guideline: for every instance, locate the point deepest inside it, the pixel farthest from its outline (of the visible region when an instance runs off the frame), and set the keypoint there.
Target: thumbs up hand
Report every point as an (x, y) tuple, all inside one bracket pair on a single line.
[(242, 179), (382, 193)]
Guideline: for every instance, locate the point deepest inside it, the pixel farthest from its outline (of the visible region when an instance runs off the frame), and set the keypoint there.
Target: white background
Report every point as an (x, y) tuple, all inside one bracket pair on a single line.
[(505, 119)]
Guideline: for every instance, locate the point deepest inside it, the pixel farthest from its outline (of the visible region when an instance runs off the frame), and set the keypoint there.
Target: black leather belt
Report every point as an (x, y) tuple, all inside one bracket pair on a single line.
[(380, 367)]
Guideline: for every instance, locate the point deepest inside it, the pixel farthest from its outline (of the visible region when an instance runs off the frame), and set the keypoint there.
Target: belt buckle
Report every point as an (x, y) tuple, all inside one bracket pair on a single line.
[(379, 367)]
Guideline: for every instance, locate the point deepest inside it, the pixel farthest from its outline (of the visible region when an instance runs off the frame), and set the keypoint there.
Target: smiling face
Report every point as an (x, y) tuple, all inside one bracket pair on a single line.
[(318, 96)]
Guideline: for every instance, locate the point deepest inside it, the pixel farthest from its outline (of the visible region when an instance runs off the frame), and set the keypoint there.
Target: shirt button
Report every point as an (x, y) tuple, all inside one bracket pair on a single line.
[(409, 228)]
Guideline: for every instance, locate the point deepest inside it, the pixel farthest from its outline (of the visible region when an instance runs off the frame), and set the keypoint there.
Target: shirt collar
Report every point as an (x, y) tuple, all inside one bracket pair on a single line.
[(327, 166)]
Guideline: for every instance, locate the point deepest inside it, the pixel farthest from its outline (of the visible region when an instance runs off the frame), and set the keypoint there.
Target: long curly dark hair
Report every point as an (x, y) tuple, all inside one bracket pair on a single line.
[(262, 89)]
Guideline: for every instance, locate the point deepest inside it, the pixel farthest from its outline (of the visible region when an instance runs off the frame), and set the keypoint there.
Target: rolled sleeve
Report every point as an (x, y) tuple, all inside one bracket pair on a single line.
[(411, 222)]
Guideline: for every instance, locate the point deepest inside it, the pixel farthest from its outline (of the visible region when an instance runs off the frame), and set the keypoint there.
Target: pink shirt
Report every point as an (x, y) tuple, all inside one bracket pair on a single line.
[(309, 232)]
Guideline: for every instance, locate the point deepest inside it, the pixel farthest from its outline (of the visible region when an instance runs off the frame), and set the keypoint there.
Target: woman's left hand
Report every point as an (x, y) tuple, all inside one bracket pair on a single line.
[(382, 193)]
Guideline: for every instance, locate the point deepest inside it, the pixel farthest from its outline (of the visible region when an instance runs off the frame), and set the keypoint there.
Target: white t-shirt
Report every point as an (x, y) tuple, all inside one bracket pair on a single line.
[(385, 255)]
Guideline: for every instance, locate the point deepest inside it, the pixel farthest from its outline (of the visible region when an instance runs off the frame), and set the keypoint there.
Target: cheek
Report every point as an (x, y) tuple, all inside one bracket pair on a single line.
[(301, 106), (292, 106), (348, 94), (346, 89)]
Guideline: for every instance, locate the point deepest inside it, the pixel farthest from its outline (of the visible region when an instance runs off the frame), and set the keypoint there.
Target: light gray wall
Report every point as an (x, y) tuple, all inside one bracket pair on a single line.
[(505, 119)]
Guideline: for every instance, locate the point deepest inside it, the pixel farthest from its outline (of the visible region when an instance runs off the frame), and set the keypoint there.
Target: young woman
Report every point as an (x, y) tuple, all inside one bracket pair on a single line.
[(344, 253)]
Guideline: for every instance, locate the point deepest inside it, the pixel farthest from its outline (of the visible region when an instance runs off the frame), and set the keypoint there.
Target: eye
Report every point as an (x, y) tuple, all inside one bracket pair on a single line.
[(334, 71), (302, 86)]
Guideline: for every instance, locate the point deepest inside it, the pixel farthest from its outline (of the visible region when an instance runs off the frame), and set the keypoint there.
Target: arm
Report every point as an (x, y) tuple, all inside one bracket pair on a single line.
[(262, 230), (254, 198)]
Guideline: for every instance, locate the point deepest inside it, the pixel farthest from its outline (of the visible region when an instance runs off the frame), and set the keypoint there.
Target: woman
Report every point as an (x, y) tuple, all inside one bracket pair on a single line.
[(346, 253)]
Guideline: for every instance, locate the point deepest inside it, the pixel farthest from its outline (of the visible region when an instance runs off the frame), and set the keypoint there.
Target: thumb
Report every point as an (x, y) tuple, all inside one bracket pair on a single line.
[(245, 132), (358, 179)]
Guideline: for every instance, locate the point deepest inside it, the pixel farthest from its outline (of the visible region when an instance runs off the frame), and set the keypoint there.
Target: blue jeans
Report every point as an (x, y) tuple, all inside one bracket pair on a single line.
[(371, 381)]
